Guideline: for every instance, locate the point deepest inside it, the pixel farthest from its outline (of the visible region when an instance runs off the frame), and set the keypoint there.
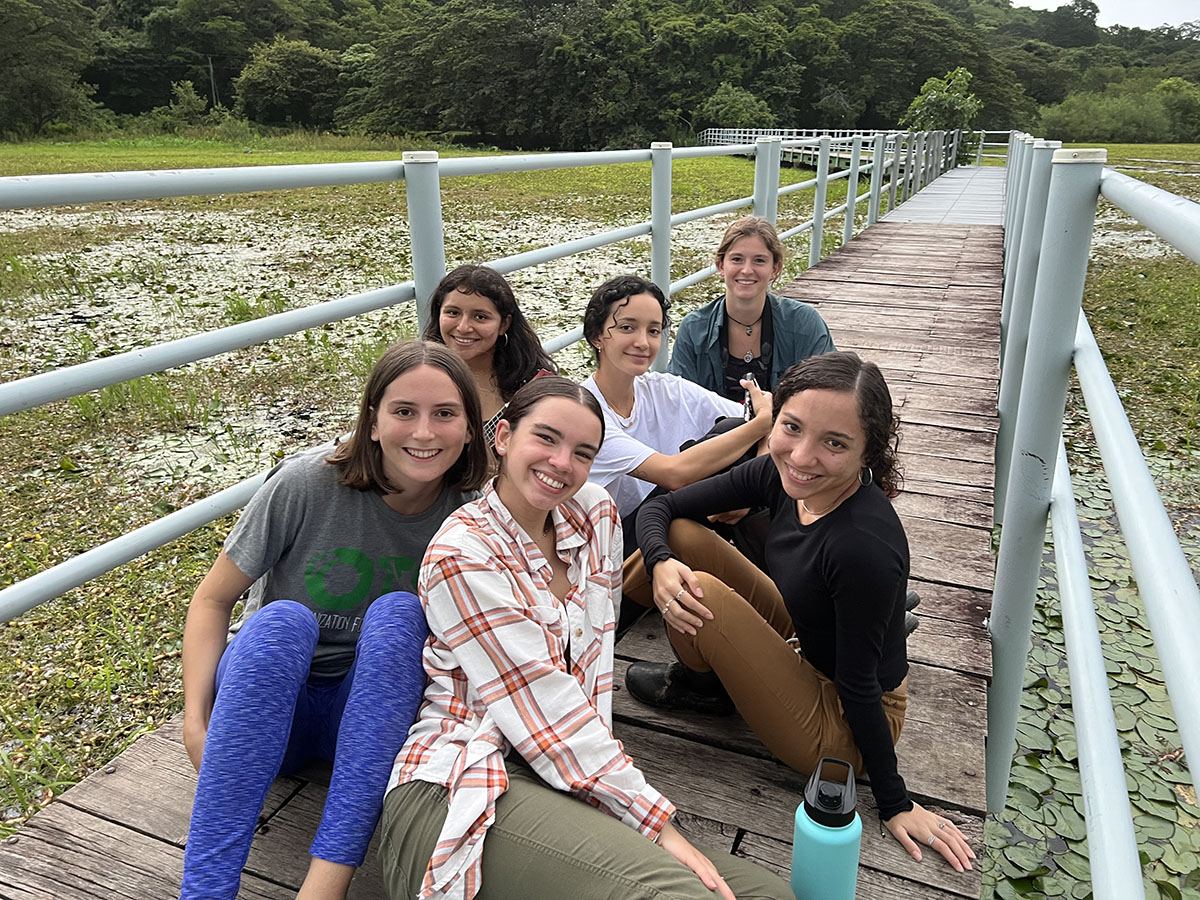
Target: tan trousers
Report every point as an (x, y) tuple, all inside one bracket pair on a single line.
[(792, 707)]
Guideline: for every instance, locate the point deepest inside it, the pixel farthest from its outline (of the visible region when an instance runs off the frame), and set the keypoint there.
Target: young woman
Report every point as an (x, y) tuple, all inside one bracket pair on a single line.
[(814, 661), (511, 783), (649, 415), (749, 331), (473, 310), (328, 656)]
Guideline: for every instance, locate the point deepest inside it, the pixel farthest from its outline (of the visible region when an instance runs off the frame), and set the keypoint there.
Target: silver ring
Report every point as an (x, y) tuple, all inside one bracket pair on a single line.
[(932, 838), (667, 607), (682, 591), (941, 824)]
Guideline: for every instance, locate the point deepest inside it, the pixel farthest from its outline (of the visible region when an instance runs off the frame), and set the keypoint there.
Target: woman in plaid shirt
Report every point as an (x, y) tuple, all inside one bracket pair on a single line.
[(514, 742)]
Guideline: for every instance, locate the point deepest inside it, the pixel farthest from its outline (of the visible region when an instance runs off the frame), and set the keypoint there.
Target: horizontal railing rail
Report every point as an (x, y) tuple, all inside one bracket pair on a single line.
[(900, 154), (1049, 222)]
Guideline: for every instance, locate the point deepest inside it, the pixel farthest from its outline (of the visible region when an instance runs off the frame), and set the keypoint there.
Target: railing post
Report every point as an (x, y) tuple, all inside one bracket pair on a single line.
[(919, 162), (876, 178), (814, 247), (979, 152), (897, 145), (422, 189), (910, 142), (1012, 172), (660, 233), (1057, 296), (958, 136), (1013, 239), (768, 153), (852, 188), (1014, 332)]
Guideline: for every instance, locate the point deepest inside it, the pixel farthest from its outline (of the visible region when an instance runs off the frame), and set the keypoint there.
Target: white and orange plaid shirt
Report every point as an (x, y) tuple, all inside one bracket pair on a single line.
[(500, 678)]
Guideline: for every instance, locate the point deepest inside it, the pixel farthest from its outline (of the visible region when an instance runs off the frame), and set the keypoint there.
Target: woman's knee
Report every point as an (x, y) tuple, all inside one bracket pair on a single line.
[(394, 620), (283, 629)]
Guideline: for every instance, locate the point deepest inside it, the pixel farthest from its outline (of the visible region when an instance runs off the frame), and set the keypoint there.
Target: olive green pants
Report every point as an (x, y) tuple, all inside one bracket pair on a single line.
[(547, 845)]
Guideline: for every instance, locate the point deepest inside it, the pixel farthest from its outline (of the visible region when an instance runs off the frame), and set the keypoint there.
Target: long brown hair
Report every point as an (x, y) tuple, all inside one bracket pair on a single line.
[(518, 355), (360, 458)]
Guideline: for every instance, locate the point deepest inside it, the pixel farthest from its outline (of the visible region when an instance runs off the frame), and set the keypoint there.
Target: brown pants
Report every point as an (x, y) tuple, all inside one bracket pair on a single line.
[(792, 707)]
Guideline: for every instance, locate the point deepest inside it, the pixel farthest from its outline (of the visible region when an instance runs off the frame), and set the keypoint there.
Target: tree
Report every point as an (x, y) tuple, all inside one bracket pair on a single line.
[(944, 104), (733, 107), (1181, 103), (44, 45), (289, 83)]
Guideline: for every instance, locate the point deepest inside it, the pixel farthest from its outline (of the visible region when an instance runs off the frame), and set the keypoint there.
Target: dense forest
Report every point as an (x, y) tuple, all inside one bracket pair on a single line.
[(586, 74)]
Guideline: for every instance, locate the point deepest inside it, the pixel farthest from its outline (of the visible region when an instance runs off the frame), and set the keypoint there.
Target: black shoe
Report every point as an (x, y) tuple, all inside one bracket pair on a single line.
[(910, 623), (675, 686), (911, 599)]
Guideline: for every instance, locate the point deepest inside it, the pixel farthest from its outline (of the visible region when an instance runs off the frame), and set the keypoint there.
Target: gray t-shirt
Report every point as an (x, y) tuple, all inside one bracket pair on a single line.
[(332, 548)]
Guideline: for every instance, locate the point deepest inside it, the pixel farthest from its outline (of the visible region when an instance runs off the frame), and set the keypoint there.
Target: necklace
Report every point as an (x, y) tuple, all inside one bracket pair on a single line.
[(842, 496), (749, 328), (622, 420)]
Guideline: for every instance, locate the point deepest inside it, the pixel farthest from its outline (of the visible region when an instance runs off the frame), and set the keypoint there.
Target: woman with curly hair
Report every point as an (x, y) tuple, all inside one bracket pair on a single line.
[(814, 659)]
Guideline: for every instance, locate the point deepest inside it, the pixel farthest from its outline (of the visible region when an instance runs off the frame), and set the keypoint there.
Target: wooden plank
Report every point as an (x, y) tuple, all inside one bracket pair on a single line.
[(150, 786), (947, 443), (280, 849), (64, 853), (939, 470), (760, 796), (914, 504), (970, 565)]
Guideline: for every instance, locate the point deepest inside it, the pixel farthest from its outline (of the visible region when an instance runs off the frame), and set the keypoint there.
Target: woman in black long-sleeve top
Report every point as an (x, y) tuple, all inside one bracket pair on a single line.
[(815, 659)]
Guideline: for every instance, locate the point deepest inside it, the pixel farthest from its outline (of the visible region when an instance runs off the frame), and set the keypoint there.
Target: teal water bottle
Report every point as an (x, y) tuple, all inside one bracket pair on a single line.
[(827, 837)]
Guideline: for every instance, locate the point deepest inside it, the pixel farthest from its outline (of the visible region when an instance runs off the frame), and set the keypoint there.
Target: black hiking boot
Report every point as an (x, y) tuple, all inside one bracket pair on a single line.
[(675, 686)]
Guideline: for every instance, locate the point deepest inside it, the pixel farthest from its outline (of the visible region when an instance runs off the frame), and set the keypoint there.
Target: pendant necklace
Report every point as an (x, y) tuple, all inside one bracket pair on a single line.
[(749, 328), (842, 496), (749, 357)]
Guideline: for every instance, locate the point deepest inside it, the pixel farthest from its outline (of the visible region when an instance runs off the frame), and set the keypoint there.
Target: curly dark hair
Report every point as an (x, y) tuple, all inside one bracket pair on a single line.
[(518, 355), (845, 371), (613, 291)]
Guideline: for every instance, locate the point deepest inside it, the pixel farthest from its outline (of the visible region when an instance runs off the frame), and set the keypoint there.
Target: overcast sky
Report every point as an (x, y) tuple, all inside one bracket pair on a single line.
[(1134, 13)]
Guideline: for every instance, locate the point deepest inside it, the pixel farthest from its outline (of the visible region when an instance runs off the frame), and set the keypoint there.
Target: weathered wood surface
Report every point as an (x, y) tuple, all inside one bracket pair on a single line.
[(922, 301)]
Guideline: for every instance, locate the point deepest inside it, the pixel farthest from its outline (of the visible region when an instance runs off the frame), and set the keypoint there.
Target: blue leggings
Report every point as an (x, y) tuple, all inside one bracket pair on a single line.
[(269, 719)]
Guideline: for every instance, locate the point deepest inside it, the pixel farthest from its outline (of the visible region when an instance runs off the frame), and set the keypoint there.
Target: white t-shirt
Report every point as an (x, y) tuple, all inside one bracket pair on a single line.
[(667, 411)]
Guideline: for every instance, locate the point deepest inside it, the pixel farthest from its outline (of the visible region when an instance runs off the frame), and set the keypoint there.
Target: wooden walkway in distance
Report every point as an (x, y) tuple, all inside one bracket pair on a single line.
[(921, 299)]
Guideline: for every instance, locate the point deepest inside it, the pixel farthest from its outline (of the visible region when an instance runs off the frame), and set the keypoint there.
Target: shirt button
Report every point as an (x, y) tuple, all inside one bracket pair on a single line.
[(578, 632)]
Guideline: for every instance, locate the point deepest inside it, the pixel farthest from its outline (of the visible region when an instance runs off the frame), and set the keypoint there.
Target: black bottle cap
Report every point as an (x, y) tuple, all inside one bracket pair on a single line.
[(827, 802)]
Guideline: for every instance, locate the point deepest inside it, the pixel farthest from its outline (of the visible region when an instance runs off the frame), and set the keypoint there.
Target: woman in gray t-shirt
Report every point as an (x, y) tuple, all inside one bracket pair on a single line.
[(328, 655)]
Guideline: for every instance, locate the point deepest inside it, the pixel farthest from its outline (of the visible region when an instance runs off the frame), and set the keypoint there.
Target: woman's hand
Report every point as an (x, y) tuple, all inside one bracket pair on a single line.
[(679, 847), (919, 827), (676, 594), (730, 518), (760, 400)]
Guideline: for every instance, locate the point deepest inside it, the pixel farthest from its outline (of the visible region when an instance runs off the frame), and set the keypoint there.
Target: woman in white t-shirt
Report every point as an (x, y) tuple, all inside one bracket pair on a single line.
[(649, 415)]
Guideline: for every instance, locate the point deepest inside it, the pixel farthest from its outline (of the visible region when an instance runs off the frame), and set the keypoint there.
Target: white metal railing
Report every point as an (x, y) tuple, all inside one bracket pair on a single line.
[(421, 172), (1050, 218)]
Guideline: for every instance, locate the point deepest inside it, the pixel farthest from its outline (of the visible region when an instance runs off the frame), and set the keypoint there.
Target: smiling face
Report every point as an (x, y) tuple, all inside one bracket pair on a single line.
[(471, 324), (547, 456), (421, 428), (748, 269), (817, 444), (632, 334)]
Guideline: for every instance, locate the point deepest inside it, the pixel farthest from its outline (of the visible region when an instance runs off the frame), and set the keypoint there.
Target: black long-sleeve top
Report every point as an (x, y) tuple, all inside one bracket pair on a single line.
[(843, 579)]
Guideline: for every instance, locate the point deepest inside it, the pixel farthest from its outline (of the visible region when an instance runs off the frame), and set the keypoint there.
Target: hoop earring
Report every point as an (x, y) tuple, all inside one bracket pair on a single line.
[(505, 336), (870, 476)]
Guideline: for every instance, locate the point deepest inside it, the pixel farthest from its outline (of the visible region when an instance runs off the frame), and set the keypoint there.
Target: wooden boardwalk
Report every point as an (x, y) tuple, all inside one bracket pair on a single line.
[(921, 300)]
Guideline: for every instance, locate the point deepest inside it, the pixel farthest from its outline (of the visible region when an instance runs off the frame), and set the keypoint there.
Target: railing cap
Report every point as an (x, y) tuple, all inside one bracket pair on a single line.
[(661, 145), (419, 156), (1098, 155), (1046, 145)]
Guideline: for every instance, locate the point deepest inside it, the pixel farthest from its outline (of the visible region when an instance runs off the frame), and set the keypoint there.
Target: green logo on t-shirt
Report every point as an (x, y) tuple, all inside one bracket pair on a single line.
[(331, 586)]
